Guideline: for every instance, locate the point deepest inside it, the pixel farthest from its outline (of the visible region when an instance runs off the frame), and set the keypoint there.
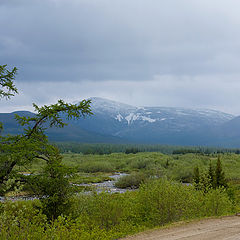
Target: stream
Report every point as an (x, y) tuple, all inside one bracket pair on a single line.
[(108, 186)]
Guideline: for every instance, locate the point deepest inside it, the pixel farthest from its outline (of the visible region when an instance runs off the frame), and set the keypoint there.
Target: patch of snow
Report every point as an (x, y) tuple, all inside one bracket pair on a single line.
[(131, 117), (135, 117), (119, 117), (148, 119)]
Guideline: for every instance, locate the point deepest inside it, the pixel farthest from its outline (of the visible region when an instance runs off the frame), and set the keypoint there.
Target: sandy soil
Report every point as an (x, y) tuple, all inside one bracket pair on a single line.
[(226, 228)]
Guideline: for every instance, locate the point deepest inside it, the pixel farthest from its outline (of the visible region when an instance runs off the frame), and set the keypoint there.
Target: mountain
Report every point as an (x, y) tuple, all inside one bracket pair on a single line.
[(68, 133), (154, 124), (117, 122)]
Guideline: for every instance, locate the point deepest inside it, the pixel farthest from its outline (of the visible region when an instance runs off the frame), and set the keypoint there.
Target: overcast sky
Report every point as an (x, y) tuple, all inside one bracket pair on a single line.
[(183, 53)]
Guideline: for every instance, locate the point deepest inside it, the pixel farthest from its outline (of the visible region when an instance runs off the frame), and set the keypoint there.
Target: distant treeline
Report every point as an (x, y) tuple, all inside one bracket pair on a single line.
[(102, 148)]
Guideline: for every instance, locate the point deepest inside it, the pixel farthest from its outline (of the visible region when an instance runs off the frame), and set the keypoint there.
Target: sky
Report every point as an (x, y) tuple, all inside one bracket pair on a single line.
[(141, 52)]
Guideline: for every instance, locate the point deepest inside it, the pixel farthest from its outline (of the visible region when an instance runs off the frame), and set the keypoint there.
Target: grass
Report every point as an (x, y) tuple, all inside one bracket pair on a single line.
[(98, 168), (132, 181), (177, 167), (112, 216), (79, 177)]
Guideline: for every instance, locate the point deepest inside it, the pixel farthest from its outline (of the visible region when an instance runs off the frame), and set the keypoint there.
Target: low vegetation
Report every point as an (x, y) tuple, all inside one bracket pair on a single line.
[(111, 216), (160, 199), (131, 181), (107, 148)]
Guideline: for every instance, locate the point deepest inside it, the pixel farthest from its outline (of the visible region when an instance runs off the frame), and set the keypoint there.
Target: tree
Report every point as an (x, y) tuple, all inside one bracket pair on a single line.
[(211, 175), (8, 88), (33, 144), (52, 187), (196, 177), (214, 178), (220, 179)]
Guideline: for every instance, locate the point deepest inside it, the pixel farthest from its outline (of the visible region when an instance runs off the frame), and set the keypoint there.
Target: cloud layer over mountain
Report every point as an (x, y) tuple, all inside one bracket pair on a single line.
[(143, 52)]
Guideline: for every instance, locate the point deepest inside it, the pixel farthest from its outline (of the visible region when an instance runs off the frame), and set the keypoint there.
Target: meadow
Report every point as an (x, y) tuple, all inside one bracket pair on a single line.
[(177, 167), (160, 197)]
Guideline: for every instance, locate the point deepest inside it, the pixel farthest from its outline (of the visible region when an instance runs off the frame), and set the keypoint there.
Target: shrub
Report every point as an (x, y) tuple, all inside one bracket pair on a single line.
[(142, 164), (112, 216), (53, 188), (131, 181), (93, 167), (161, 202), (216, 203)]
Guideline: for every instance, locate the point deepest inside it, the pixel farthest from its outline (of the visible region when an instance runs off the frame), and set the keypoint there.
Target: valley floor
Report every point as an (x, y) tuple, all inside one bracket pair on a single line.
[(225, 228)]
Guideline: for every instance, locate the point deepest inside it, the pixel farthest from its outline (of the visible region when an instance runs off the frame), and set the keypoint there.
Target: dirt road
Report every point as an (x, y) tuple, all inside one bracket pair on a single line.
[(226, 228)]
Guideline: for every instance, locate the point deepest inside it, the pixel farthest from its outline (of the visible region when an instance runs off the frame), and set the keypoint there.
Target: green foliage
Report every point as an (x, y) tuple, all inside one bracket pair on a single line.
[(132, 150), (196, 176), (24, 148), (112, 216), (98, 166), (89, 177), (214, 178), (220, 179), (52, 187), (211, 175), (175, 167), (8, 88), (216, 202), (108, 148), (131, 181), (162, 202)]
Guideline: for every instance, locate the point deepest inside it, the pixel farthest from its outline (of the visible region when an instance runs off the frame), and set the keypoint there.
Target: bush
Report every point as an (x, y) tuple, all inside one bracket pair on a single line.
[(161, 202), (93, 167), (142, 164), (131, 181), (112, 216), (52, 188), (21, 219), (216, 203)]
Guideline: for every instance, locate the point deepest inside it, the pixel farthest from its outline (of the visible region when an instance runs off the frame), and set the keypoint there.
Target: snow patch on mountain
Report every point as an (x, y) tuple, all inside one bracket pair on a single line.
[(133, 117), (119, 117), (148, 119)]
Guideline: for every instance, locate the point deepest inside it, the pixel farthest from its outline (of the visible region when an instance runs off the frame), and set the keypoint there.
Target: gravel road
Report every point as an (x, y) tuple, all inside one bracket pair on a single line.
[(225, 228)]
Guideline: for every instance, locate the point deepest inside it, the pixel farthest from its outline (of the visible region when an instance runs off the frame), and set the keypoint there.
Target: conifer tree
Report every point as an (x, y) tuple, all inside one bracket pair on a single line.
[(211, 175), (33, 144), (220, 179), (7, 87), (196, 175)]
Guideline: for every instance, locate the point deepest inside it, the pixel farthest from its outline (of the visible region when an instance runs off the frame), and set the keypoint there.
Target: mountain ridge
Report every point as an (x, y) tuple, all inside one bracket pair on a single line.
[(118, 122)]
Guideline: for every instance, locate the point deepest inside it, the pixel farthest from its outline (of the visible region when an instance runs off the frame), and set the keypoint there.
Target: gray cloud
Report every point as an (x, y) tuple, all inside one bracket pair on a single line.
[(165, 52)]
